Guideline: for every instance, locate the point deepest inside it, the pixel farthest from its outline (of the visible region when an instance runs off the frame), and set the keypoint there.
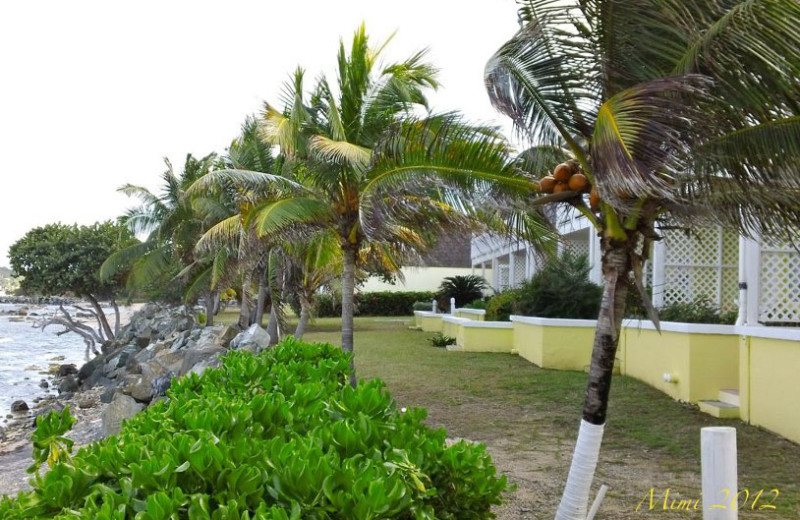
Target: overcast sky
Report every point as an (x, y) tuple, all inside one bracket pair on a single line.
[(93, 94)]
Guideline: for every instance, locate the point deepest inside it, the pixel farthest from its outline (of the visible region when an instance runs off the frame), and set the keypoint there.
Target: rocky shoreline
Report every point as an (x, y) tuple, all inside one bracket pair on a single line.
[(156, 346)]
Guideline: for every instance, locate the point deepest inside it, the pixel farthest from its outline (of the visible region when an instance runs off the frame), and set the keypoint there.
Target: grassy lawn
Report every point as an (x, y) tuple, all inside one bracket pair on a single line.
[(529, 418)]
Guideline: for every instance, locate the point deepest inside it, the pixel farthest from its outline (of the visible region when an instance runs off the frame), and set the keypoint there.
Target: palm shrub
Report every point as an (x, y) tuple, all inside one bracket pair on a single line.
[(666, 112), (271, 437), (560, 289), (464, 288)]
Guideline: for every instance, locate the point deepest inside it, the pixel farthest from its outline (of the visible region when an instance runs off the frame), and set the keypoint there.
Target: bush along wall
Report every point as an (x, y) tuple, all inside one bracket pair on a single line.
[(277, 436), (383, 303)]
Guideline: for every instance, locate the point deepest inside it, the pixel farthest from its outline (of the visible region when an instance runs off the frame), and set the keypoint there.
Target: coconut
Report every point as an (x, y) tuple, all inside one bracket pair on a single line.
[(578, 182), (562, 172), (561, 186), (547, 184)]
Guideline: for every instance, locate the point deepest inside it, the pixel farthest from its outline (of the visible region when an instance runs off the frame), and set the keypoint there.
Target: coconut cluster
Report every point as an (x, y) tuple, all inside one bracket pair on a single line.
[(569, 177)]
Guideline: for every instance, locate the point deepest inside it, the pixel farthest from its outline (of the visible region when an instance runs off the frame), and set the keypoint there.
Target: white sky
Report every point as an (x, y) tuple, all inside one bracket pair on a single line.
[(93, 94)]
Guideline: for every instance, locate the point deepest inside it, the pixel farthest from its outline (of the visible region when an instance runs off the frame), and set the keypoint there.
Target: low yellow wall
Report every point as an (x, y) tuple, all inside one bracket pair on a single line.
[(556, 344), (450, 327), (431, 323), (772, 390), (485, 339), (470, 314), (700, 364)]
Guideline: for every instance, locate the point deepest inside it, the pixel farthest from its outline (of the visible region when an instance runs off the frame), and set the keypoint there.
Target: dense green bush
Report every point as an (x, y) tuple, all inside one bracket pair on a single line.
[(560, 289), (699, 310), (276, 436), (480, 303), (422, 306), (384, 303), (464, 288), (500, 307)]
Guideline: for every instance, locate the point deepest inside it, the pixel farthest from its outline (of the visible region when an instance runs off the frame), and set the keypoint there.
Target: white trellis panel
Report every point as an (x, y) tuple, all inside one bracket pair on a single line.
[(577, 242), (702, 264), (503, 274), (520, 267), (779, 301)]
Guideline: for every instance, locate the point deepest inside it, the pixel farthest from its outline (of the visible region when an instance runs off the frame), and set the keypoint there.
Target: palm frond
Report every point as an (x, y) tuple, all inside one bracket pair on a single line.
[(273, 217), (340, 152)]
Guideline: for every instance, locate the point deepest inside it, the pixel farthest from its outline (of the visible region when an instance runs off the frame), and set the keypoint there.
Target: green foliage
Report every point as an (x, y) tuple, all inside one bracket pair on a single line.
[(699, 310), (500, 307), (59, 259), (441, 341), (480, 303), (202, 318), (464, 288), (383, 303), (49, 443), (276, 436), (561, 289), (423, 306)]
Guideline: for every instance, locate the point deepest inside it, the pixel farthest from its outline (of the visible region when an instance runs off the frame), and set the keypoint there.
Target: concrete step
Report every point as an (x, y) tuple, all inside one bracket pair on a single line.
[(730, 396), (719, 409)]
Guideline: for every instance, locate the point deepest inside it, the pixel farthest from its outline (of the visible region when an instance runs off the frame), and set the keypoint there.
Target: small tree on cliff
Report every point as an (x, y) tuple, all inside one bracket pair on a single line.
[(59, 260)]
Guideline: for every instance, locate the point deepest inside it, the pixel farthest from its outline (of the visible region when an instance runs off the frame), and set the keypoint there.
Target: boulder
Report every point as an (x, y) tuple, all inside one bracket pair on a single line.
[(120, 408), (19, 406), (68, 384), (255, 339), (67, 370)]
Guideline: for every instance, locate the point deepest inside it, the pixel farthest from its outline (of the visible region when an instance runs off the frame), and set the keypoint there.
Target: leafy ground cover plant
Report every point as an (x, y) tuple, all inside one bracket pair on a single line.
[(441, 341), (276, 436)]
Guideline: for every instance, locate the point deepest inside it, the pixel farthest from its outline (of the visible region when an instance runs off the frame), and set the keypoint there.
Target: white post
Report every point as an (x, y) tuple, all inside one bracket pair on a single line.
[(753, 279), (595, 258), (452, 306), (433, 306), (659, 266), (719, 473), (741, 319)]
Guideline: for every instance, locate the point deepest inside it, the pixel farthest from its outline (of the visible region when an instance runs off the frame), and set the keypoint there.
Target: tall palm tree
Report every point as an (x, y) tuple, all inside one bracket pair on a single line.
[(374, 155), (173, 226), (686, 112)]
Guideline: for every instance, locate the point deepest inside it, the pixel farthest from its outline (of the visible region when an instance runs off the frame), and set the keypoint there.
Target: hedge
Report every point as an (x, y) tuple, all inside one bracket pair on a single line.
[(384, 303), (277, 436)]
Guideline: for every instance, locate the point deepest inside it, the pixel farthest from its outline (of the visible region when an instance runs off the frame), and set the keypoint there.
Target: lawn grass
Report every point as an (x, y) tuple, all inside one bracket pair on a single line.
[(529, 417), (504, 400)]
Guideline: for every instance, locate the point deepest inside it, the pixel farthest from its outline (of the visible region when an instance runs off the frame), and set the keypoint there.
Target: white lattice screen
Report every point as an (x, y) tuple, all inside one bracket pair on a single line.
[(780, 284), (577, 243), (702, 264), (519, 267), (503, 274)]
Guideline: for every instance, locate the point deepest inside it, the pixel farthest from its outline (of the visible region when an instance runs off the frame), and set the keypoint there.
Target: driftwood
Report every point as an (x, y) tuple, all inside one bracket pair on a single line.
[(91, 337)]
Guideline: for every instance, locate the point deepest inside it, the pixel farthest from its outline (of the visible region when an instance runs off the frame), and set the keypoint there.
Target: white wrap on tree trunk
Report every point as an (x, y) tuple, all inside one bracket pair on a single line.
[(575, 501)]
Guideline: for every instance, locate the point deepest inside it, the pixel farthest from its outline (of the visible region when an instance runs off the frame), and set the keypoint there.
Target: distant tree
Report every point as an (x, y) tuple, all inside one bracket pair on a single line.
[(60, 260), (464, 288)]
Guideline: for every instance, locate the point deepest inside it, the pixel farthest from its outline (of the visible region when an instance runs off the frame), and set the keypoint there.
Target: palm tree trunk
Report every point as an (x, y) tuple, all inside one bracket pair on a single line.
[(244, 309), (348, 306), (262, 299), (616, 272), (305, 313), (209, 299)]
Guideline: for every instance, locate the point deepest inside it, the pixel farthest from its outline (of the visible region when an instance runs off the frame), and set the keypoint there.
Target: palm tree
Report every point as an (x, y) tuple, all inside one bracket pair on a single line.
[(374, 156), (173, 226), (679, 112)]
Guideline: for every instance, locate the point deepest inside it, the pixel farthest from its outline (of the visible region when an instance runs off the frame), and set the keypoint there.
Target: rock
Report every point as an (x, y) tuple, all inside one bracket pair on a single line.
[(66, 396), (90, 367), (197, 360), (68, 384), (54, 407), (19, 406), (121, 408), (255, 339), (86, 402), (44, 384), (132, 365), (67, 370), (107, 395), (138, 388)]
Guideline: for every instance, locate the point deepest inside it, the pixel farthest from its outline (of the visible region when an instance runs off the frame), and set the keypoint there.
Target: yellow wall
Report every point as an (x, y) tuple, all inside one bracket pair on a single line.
[(431, 323), (479, 339), (529, 342), (464, 313), (773, 399), (703, 364), (449, 328), (557, 347)]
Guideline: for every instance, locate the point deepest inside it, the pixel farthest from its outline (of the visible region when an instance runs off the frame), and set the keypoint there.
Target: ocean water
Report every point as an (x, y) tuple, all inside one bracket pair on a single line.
[(26, 353)]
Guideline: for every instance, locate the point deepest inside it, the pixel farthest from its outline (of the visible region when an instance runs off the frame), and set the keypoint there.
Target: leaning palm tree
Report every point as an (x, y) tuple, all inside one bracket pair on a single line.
[(686, 112), (172, 225), (372, 151)]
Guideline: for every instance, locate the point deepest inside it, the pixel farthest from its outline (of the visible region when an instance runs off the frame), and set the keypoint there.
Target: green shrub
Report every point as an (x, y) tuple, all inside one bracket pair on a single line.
[(276, 436), (477, 304), (699, 310), (560, 289), (423, 306), (440, 340), (464, 288), (500, 307), (384, 303)]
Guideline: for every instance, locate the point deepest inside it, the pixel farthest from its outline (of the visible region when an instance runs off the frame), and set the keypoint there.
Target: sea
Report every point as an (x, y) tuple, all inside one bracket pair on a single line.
[(26, 354)]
